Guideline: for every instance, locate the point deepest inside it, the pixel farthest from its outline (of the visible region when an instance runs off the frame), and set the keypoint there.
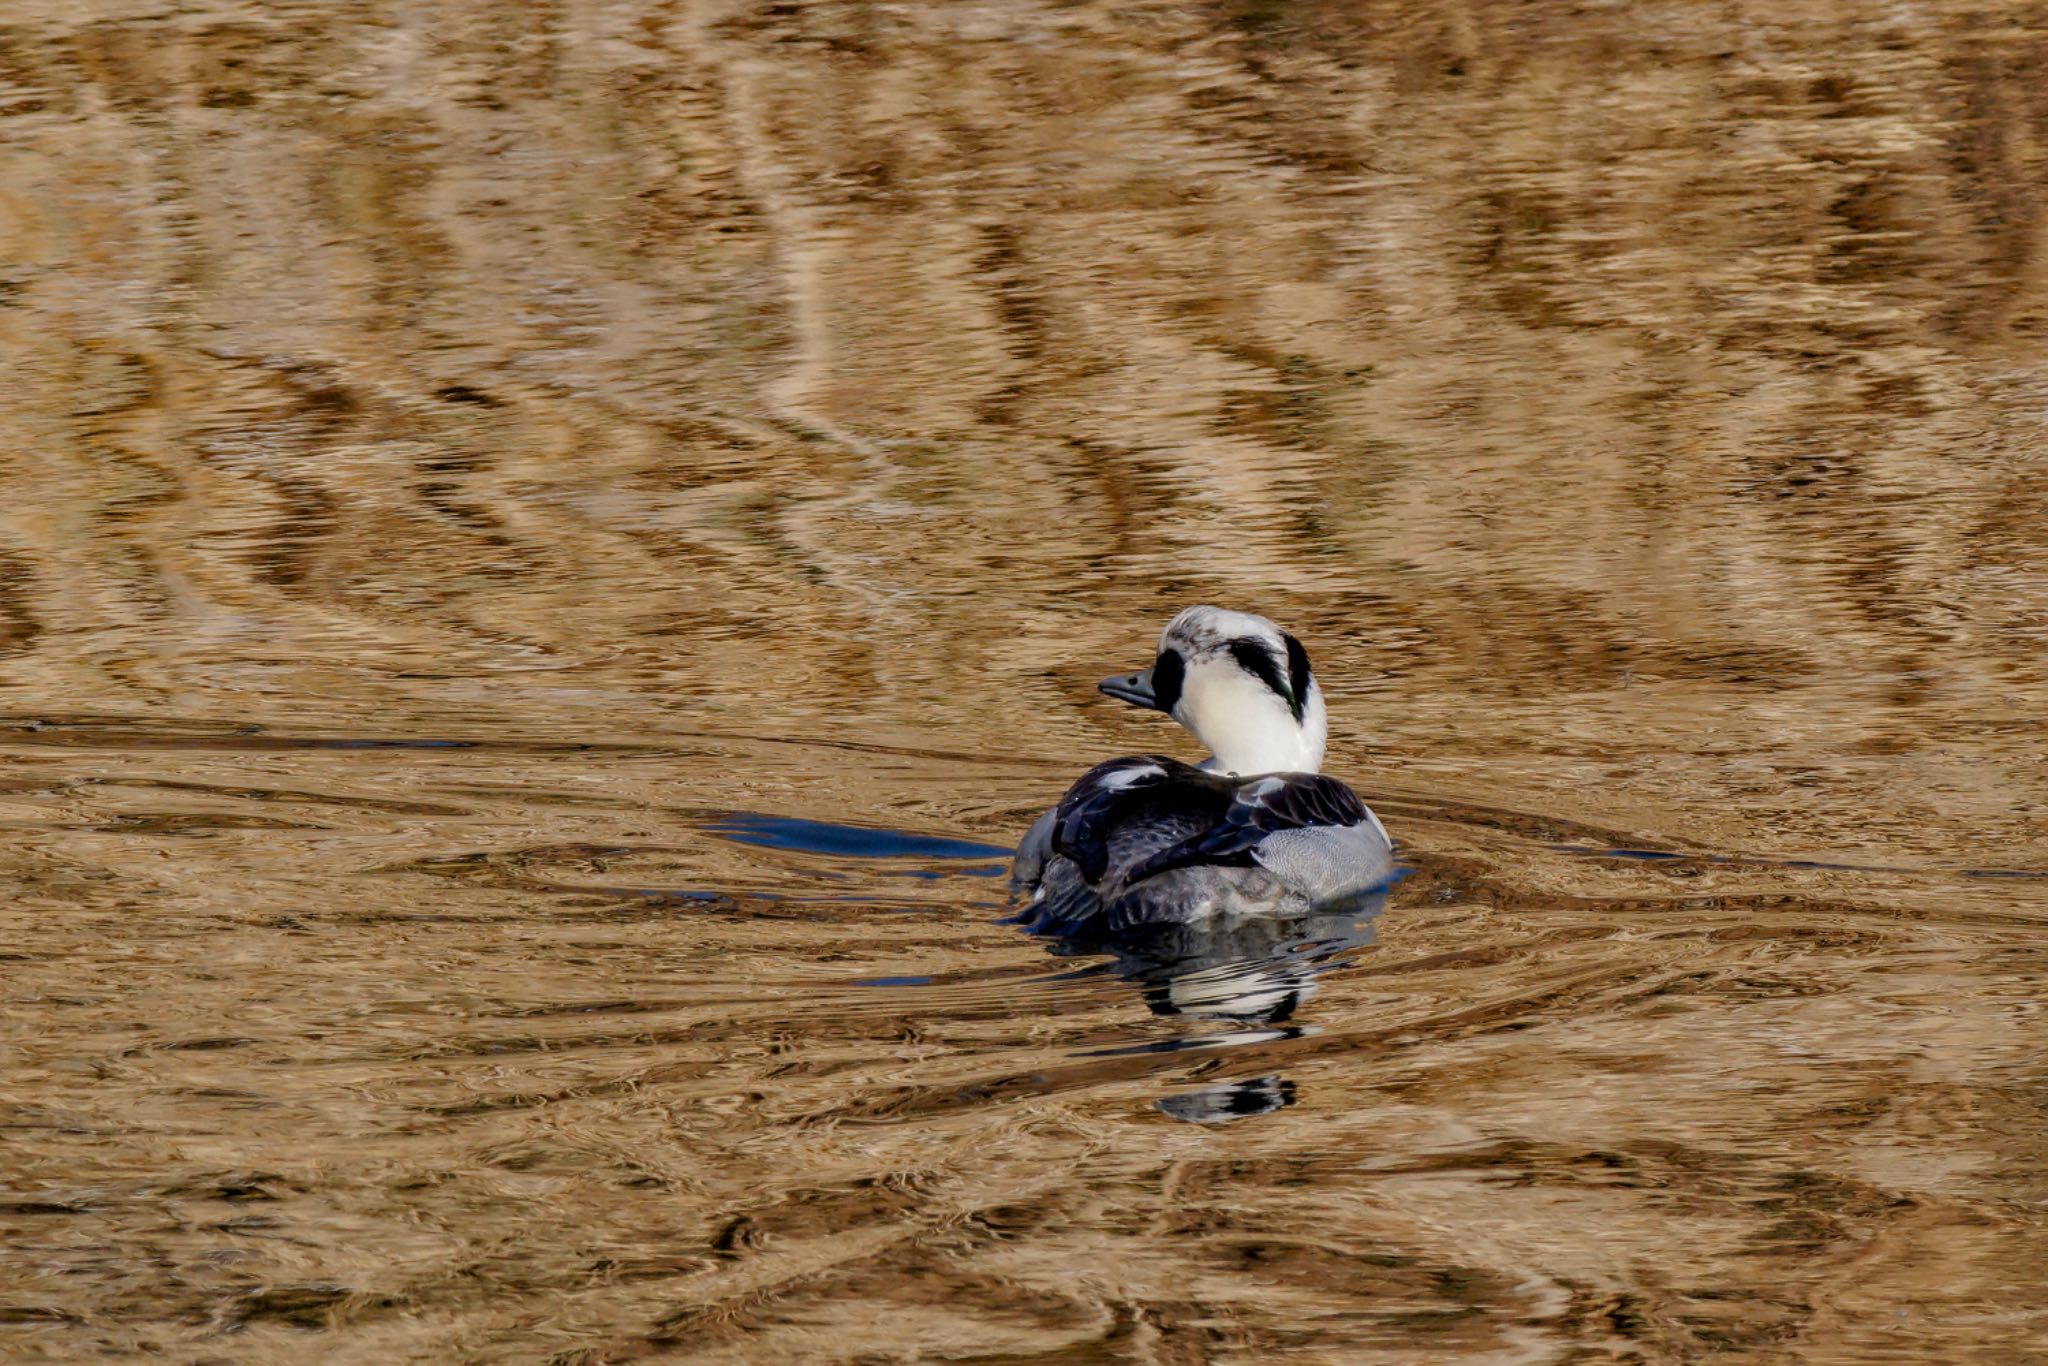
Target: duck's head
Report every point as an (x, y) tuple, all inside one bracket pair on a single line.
[(1241, 684)]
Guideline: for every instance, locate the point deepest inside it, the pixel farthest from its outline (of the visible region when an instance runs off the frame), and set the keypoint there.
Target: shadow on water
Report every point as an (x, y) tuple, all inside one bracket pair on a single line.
[(851, 841)]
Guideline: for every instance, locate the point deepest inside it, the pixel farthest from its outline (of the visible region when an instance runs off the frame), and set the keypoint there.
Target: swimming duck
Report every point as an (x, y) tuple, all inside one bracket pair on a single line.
[(1252, 830)]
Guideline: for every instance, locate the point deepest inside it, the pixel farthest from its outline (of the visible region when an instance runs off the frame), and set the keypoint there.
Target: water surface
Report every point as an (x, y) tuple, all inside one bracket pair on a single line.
[(548, 547)]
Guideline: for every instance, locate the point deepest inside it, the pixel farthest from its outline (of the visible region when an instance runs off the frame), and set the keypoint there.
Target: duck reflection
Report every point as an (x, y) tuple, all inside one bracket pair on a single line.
[(1234, 1100), (1251, 975)]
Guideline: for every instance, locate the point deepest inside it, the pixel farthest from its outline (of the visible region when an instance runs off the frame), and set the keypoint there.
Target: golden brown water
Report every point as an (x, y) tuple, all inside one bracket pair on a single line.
[(480, 477)]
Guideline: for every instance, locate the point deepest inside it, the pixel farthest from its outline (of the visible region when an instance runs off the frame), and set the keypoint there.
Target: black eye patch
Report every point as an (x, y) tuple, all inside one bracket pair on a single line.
[(1255, 659), (1169, 671)]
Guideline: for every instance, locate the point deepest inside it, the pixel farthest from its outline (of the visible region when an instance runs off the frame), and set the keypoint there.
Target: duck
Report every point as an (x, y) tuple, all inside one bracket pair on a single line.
[(1255, 829)]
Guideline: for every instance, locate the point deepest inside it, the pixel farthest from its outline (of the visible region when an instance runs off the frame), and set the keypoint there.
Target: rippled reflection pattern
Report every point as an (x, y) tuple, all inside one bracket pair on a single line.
[(1250, 975), (550, 550)]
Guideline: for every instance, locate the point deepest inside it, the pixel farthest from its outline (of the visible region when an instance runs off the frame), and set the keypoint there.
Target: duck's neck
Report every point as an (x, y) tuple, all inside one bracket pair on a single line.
[(1275, 745), (1248, 725)]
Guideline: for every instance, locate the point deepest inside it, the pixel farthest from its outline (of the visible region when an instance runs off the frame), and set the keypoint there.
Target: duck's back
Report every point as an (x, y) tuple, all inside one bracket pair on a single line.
[(1148, 840)]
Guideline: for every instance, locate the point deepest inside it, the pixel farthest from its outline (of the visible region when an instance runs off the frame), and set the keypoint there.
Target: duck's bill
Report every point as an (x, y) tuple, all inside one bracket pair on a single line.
[(1135, 689)]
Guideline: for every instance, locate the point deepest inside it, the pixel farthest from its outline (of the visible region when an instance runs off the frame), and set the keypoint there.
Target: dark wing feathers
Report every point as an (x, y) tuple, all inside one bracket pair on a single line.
[(1262, 806), (1090, 809), (1308, 799), (1125, 791), (1228, 815)]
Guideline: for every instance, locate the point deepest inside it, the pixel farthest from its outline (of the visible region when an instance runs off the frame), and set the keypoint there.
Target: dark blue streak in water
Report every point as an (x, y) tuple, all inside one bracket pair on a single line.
[(854, 841)]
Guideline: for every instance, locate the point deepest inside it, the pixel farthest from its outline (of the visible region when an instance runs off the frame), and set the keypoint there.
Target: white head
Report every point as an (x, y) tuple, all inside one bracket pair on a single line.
[(1241, 684)]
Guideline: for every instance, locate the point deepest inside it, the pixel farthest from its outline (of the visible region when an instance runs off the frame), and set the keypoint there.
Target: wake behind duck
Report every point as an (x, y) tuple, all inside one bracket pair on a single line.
[(1252, 830)]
